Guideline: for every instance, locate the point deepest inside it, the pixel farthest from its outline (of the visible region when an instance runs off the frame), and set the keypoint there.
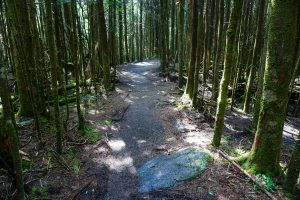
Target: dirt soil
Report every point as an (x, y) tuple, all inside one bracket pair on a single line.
[(142, 119)]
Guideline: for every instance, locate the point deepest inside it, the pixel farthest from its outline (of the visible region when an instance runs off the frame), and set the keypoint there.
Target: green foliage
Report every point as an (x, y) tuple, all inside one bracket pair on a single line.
[(267, 181), (28, 165), (40, 192), (93, 136), (180, 105), (107, 122), (76, 165)]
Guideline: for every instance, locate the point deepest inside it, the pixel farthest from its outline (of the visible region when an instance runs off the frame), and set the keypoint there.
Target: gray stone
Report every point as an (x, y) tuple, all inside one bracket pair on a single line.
[(166, 172)]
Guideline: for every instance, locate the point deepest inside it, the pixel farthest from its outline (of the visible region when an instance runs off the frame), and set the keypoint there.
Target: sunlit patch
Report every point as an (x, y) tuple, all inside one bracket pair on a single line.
[(120, 164), (117, 145), (114, 128), (184, 125), (143, 64), (141, 141), (194, 139)]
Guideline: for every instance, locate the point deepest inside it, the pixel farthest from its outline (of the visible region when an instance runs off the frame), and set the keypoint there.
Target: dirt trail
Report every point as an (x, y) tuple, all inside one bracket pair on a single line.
[(140, 132), (155, 123)]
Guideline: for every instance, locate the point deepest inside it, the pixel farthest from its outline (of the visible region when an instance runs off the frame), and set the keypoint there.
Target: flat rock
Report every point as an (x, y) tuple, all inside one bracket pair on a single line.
[(166, 172)]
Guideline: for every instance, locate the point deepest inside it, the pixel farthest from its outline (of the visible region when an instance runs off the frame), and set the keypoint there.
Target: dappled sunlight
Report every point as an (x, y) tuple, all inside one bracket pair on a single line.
[(145, 63), (141, 141), (197, 138), (184, 125), (120, 164), (117, 145)]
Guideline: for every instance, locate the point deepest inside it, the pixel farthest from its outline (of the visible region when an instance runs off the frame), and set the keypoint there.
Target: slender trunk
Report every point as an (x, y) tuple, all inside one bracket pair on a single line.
[(228, 65), (256, 60), (193, 38)]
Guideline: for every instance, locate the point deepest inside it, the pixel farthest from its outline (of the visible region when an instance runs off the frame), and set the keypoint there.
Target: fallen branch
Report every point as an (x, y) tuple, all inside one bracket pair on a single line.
[(82, 189), (262, 187), (61, 161), (122, 115)]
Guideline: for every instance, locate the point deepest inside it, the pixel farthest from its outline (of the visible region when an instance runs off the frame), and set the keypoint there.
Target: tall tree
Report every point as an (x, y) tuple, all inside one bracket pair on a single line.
[(180, 25), (193, 39), (104, 46), (282, 30), (121, 36), (8, 134), (54, 68), (141, 48), (258, 46), (293, 169), (228, 65)]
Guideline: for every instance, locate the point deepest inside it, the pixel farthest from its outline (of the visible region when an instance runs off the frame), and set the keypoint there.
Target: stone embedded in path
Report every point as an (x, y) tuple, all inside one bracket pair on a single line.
[(164, 172)]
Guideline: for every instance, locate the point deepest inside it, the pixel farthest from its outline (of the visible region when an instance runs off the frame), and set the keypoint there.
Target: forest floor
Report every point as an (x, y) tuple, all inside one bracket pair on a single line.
[(145, 117)]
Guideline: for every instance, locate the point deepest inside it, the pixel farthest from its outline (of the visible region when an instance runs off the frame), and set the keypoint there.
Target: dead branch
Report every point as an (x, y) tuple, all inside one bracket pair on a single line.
[(122, 115), (262, 187), (82, 189)]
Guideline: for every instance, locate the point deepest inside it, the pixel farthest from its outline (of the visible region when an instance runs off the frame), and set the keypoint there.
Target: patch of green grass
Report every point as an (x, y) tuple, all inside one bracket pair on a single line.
[(28, 165), (180, 105), (76, 165), (41, 192), (93, 136), (106, 122)]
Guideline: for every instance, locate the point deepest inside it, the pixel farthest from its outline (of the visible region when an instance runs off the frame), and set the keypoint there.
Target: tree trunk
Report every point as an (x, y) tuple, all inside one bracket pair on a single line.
[(282, 29), (228, 65), (53, 65), (104, 46), (180, 26), (256, 60), (193, 38), (293, 169)]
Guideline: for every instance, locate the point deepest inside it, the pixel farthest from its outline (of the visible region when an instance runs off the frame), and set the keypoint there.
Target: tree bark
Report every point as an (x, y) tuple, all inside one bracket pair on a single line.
[(282, 29), (228, 65)]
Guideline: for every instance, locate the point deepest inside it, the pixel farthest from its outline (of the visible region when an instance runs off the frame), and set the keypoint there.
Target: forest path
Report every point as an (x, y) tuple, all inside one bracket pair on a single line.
[(140, 130), (149, 119)]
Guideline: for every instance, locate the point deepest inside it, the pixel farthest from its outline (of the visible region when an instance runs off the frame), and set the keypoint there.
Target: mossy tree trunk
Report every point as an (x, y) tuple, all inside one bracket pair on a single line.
[(54, 68), (228, 65), (282, 29), (8, 131), (141, 43), (199, 53), (256, 60), (125, 31), (18, 16), (218, 52), (162, 37), (293, 169), (104, 46), (180, 27), (121, 36), (193, 38)]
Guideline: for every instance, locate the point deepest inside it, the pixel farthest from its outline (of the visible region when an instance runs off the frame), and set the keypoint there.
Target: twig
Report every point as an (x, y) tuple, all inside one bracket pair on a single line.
[(61, 161), (30, 139), (78, 143), (82, 189), (262, 187), (122, 116)]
